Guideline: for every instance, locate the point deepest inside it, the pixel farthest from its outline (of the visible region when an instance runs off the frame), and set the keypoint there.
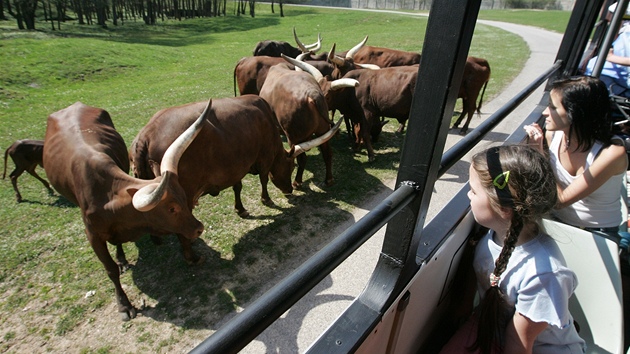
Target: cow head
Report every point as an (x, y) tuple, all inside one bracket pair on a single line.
[(344, 65), (164, 198)]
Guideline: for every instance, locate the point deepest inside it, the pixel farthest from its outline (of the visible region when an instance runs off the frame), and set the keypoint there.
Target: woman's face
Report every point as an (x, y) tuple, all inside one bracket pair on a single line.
[(481, 207), (555, 115)]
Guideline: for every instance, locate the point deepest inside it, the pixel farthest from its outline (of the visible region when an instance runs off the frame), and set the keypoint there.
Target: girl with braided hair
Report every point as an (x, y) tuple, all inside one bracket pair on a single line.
[(523, 282)]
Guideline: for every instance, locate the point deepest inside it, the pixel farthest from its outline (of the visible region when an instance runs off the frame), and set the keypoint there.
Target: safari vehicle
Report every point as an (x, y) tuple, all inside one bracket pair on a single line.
[(414, 284)]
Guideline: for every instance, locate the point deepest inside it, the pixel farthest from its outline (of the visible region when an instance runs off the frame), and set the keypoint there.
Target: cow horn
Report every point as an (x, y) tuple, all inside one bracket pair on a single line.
[(171, 157), (305, 66), (340, 83), (355, 49), (368, 66), (305, 146), (147, 197), (332, 58), (315, 47), (299, 43)]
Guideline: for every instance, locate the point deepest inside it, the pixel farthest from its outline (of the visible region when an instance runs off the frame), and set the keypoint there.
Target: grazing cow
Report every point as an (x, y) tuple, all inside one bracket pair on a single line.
[(241, 137), (298, 99), (250, 72), (26, 155), (386, 92), (475, 79), (86, 161)]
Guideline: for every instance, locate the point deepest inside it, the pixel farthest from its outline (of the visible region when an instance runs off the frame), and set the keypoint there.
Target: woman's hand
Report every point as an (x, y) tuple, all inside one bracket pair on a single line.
[(535, 136)]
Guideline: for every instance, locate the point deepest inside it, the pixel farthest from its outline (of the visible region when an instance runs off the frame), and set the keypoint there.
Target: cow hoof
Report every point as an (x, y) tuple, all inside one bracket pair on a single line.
[(371, 158), (124, 267), (463, 132), (128, 314), (330, 182), (297, 185), (197, 260), (243, 214), (268, 202)]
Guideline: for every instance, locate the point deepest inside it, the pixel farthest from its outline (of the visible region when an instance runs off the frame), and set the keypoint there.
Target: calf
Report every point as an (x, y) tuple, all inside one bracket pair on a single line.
[(86, 161), (26, 155)]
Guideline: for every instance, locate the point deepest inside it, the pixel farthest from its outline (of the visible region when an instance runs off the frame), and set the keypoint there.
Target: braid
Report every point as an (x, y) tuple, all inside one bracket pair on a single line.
[(492, 321)]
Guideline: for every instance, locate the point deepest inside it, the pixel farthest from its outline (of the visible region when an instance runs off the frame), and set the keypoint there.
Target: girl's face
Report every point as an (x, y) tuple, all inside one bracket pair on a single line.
[(480, 205), (555, 115)]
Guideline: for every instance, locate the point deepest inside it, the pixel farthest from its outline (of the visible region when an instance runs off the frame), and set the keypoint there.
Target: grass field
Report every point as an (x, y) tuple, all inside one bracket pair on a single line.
[(132, 71)]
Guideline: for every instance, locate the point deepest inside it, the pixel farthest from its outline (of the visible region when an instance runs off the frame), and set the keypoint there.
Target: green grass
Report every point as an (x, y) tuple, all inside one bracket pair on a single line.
[(132, 71), (552, 20)]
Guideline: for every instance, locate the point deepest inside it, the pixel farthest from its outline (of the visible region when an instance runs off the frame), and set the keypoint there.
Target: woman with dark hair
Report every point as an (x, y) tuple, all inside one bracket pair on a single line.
[(522, 277), (588, 163)]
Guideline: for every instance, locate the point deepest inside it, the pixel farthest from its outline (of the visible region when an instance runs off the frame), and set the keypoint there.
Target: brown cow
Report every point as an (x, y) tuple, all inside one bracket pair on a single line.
[(276, 48), (298, 99), (26, 155), (250, 72), (382, 57), (242, 137), (86, 161), (386, 92), (475, 78)]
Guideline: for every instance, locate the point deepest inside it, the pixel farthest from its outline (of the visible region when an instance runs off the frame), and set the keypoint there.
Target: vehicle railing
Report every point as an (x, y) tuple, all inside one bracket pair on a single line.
[(253, 320)]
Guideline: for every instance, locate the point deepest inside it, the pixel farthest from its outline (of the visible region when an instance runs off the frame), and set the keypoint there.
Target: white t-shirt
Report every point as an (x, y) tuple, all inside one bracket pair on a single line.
[(538, 285), (602, 208)]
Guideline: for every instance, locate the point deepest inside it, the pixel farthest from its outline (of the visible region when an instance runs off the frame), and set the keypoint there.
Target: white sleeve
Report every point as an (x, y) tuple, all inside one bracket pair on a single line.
[(545, 298)]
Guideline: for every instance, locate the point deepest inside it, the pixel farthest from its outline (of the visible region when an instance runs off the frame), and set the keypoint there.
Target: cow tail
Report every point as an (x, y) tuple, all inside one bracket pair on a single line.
[(234, 77), (6, 153), (481, 98)]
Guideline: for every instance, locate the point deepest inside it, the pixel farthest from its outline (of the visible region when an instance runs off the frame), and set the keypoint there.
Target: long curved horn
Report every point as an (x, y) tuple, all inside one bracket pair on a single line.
[(147, 197), (368, 66), (332, 58), (305, 66), (315, 47), (340, 83), (307, 145), (299, 43), (356, 48), (171, 157)]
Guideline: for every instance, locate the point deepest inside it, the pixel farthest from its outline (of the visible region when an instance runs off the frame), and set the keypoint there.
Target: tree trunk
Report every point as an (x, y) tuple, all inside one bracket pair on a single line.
[(281, 10), (272, 10), (2, 16), (252, 8)]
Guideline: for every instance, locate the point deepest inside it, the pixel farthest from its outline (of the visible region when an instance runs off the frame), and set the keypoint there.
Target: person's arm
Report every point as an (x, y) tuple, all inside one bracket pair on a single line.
[(521, 333), (611, 161), (617, 59)]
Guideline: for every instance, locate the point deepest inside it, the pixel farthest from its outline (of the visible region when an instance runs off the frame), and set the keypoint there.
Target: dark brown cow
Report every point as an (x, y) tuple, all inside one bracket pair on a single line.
[(475, 79), (242, 137), (250, 72), (386, 92), (26, 155), (298, 99), (87, 162), (276, 48)]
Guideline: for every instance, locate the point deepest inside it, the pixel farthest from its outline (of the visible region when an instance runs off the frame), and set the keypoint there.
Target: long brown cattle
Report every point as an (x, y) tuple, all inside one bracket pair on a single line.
[(26, 155), (86, 161), (242, 137), (475, 79), (298, 99), (383, 57)]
